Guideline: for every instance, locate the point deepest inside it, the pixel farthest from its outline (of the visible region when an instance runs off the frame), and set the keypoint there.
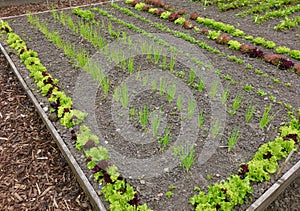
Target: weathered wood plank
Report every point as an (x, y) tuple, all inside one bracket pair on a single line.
[(274, 191)]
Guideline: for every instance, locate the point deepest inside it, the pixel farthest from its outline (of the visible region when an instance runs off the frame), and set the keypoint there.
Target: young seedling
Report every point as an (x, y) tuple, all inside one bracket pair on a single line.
[(169, 194), (144, 116), (172, 63), (225, 94), (124, 96), (235, 105), (200, 85), (155, 122), (164, 63), (214, 89), (131, 65), (185, 155), (154, 85), (192, 77), (165, 140), (179, 102), (105, 86), (200, 119), (266, 119), (247, 88), (232, 140), (145, 79), (191, 108), (261, 92), (162, 86), (250, 111), (215, 128), (132, 112), (156, 55), (171, 91)]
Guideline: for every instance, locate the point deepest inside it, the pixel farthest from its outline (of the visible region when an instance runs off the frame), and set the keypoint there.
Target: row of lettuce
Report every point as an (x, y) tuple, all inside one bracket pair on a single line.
[(115, 188), (223, 33)]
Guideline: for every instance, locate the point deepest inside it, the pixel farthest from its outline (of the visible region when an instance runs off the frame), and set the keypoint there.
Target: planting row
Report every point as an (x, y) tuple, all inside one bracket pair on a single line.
[(116, 189), (224, 39)]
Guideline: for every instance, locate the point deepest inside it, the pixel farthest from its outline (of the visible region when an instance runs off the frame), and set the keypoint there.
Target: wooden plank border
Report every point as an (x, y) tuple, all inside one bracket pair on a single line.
[(274, 191)]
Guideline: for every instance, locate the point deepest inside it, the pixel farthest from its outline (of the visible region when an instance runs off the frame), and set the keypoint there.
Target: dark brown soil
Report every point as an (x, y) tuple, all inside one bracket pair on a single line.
[(222, 163)]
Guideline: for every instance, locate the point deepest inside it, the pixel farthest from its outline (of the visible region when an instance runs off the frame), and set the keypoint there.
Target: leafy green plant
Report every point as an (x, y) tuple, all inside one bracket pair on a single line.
[(282, 49), (287, 23), (213, 34), (269, 44), (85, 14), (165, 15), (235, 45), (258, 72), (249, 67), (179, 21), (139, 6), (258, 41), (248, 88), (169, 194), (261, 92), (294, 54)]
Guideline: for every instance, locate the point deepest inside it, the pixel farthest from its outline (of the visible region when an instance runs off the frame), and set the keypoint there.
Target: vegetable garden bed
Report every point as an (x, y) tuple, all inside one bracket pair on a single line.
[(164, 111)]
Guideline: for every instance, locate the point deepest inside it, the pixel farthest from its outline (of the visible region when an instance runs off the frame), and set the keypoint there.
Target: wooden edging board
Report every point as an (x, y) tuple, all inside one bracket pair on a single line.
[(78, 172), (273, 192)]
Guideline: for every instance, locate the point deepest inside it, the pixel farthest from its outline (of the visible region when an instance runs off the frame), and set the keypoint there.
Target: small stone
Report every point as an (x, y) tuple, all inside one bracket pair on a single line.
[(160, 195), (143, 182), (45, 108), (166, 169), (217, 175)]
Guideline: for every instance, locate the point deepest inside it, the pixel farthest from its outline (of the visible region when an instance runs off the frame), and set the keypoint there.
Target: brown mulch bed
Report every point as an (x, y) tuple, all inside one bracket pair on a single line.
[(33, 173)]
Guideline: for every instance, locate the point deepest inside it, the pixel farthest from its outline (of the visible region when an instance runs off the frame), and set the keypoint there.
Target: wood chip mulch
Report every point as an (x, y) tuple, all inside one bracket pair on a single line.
[(33, 173)]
